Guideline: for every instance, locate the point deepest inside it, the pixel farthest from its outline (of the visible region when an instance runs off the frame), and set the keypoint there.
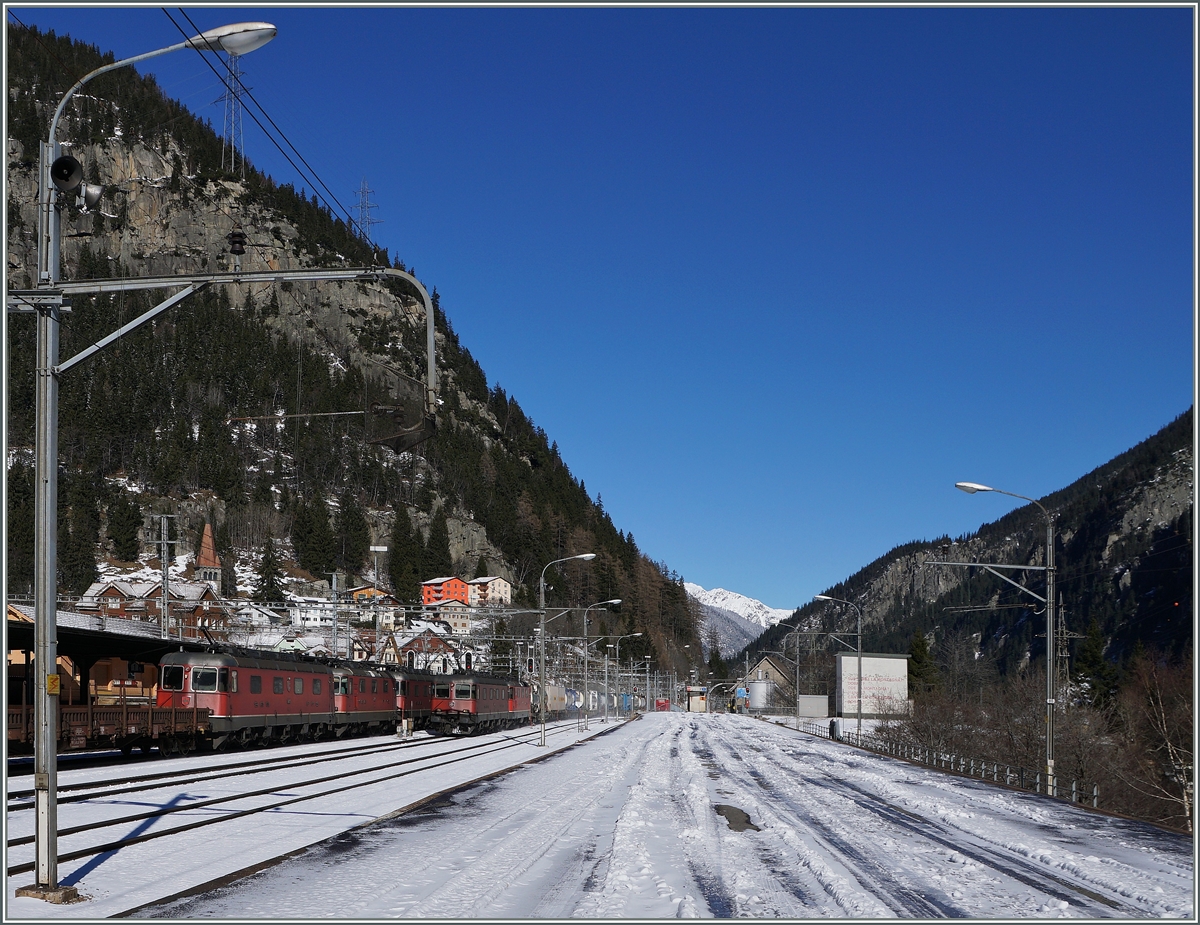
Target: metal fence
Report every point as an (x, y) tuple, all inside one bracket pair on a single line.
[(981, 769)]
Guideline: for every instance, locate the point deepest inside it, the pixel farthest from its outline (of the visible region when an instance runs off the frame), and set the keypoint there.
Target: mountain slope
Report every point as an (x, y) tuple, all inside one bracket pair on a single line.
[(730, 630), (745, 608), (255, 409), (1123, 559)]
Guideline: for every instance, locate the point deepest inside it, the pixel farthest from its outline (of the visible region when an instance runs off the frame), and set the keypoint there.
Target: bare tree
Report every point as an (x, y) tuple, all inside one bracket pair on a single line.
[(1156, 711)]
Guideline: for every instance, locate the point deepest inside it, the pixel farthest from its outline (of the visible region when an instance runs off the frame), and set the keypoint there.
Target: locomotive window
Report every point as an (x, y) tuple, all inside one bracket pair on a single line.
[(277, 685), (172, 678), (256, 684), (204, 679), (441, 689), (223, 680), (316, 685), (233, 681), (462, 691), (374, 685), (402, 687), (299, 685), (341, 685), (362, 685)]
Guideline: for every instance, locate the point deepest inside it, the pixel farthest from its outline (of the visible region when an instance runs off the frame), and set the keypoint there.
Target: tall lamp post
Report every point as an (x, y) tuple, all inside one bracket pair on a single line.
[(838, 600), (585, 557), (796, 632), (618, 647), (1051, 687), (615, 602), (59, 175)]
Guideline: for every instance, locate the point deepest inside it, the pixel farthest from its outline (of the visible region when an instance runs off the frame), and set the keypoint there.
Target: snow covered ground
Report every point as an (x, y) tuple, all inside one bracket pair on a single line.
[(683, 815)]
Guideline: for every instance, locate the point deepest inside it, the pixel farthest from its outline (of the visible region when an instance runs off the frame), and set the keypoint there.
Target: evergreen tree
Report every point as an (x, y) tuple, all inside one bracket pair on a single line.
[(228, 557), (481, 568), (316, 546), (1092, 670), (716, 664), (353, 535), (76, 559), (437, 562), (922, 672), (19, 553), (125, 527), (404, 558), (270, 582)]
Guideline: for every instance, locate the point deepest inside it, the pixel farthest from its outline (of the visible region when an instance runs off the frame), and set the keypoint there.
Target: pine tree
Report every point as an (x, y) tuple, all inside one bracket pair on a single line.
[(124, 528), (922, 672), (76, 559), (228, 557), (1092, 670), (270, 582), (437, 562), (404, 558), (481, 568), (19, 554), (353, 535), (312, 537)]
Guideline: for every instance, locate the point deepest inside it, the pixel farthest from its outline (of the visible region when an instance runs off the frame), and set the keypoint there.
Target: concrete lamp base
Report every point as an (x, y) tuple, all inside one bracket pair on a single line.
[(51, 894)]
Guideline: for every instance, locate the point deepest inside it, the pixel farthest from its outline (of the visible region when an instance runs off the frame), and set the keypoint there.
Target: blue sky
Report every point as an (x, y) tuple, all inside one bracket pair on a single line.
[(773, 279)]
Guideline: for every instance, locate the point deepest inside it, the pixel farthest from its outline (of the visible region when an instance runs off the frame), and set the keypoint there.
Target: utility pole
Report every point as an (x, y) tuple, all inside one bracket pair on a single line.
[(335, 615), (164, 615)]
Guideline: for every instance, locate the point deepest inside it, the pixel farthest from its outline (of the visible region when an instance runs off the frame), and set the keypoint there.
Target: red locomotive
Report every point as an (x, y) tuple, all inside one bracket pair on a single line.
[(468, 703), (414, 695), (364, 699), (252, 700), (264, 699)]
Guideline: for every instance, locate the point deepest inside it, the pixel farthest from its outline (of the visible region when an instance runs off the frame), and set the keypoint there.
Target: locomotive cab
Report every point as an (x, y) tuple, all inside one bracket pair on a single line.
[(197, 680)]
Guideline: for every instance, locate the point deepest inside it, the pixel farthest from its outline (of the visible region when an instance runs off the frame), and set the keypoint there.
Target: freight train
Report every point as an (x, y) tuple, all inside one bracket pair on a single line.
[(261, 699)]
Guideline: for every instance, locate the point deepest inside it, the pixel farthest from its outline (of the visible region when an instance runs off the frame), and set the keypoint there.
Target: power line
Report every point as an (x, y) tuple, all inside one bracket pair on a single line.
[(315, 177)]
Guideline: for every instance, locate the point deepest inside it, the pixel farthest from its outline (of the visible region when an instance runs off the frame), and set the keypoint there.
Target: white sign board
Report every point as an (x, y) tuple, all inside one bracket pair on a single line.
[(884, 684)]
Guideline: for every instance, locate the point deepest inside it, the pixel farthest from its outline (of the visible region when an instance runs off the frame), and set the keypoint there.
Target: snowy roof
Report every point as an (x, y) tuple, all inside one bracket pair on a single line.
[(139, 590), (441, 581), (86, 621)]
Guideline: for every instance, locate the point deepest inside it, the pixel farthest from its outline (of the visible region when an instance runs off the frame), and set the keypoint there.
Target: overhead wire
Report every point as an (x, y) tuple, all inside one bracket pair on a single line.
[(315, 179)]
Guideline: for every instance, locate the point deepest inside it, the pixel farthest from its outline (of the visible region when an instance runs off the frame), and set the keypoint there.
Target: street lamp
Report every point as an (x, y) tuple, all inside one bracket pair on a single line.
[(63, 175), (615, 602), (838, 600), (619, 638), (1051, 692), (585, 557), (796, 632)]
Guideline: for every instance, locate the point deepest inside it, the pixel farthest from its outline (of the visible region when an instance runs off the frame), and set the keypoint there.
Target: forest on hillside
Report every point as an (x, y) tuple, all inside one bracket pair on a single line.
[(977, 667), (156, 411)]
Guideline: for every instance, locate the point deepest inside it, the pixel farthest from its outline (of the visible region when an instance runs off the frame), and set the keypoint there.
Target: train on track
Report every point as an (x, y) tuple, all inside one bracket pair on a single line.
[(234, 698), (258, 699)]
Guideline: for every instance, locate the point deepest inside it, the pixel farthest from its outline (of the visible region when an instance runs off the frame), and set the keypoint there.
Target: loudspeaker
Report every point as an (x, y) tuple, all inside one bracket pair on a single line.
[(66, 173), (89, 195)]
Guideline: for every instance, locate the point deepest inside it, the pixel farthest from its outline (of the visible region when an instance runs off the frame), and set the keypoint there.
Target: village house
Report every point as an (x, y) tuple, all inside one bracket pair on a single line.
[(489, 592), (454, 614), (426, 650), (437, 590), (196, 604)]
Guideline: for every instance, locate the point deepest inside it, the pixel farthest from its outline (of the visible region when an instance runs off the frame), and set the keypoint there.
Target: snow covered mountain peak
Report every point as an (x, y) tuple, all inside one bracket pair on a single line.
[(745, 607)]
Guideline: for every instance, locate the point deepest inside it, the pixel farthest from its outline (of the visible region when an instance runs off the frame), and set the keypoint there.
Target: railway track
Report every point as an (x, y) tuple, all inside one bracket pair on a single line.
[(277, 795), (912, 899), (90, 789)]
